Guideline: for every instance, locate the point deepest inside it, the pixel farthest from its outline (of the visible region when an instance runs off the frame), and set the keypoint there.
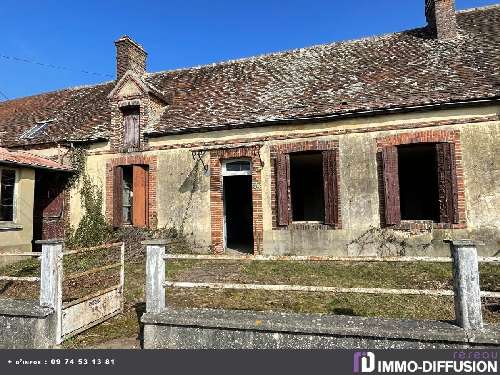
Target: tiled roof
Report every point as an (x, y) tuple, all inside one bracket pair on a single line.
[(73, 114), (25, 159), (392, 71)]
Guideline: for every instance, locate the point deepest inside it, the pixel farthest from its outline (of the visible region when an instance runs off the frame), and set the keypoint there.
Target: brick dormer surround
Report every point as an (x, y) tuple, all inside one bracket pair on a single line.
[(132, 91)]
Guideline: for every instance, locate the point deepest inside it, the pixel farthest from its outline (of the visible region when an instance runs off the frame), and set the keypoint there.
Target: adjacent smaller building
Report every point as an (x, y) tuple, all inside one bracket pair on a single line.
[(28, 202)]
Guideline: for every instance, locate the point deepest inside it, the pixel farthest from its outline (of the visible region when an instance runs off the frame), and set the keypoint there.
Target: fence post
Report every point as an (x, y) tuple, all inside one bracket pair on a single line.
[(51, 272), (466, 288), (51, 275), (155, 275)]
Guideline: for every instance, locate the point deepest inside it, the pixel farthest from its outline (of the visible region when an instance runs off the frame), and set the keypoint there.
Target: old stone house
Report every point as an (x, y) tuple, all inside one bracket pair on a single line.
[(388, 144)]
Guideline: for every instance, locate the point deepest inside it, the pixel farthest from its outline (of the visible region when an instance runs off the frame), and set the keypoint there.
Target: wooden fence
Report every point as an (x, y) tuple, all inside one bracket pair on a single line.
[(74, 316), (466, 291)]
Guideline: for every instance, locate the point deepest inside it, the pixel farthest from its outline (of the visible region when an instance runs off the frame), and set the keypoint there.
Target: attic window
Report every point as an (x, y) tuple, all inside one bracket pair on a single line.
[(131, 127), (39, 127)]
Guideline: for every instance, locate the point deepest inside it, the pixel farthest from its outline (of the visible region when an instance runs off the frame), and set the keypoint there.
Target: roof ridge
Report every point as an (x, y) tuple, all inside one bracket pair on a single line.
[(283, 52), (475, 9)]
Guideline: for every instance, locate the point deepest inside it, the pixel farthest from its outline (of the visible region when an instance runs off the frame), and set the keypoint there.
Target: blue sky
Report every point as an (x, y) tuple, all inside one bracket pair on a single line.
[(79, 35)]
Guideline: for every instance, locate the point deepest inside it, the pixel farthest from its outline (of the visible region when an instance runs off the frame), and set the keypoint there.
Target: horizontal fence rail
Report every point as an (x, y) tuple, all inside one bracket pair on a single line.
[(32, 279), (319, 289), (93, 248), (20, 278), (315, 258), (77, 275), (464, 260), (35, 255), (90, 296)]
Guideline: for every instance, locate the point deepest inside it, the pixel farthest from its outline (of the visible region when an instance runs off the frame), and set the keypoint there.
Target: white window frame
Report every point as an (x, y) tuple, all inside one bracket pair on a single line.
[(225, 172), (14, 203)]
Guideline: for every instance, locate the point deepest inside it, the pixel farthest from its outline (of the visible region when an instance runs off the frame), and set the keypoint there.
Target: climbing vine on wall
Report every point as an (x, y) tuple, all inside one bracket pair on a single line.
[(78, 160), (92, 229)]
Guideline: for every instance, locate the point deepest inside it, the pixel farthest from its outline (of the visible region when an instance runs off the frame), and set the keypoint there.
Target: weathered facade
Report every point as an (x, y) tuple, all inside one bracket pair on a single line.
[(27, 206), (385, 145)]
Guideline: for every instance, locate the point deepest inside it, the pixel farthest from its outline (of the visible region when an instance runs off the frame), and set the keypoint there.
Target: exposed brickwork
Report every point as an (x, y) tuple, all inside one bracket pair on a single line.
[(441, 18), (129, 56), (286, 148), (429, 136), (134, 159), (117, 122), (216, 195)]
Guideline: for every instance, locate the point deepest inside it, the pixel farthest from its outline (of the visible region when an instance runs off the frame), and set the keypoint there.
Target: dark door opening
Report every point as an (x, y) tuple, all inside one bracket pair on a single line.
[(418, 182), (238, 213)]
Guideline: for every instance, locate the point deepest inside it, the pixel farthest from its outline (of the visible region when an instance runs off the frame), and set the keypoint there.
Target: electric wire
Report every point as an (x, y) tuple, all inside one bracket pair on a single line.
[(52, 66)]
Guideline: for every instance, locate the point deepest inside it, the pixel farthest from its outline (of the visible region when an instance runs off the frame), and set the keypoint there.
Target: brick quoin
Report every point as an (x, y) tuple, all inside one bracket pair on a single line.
[(431, 136), (151, 162), (216, 195)]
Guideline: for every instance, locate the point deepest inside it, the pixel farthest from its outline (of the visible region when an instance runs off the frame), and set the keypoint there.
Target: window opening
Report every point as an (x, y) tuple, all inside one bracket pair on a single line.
[(307, 186)]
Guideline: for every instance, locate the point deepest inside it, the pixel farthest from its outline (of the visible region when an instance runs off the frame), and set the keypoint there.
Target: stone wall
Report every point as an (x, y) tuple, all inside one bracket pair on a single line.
[(224, 329), (26, 325)]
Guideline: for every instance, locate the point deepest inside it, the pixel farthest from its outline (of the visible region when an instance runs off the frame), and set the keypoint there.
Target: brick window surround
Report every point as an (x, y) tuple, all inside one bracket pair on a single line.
[(303, 146), (151, 162), (428, 136), (217, 200)]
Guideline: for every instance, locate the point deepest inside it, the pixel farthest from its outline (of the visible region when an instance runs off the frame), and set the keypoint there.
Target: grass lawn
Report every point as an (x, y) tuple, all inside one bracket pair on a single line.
[(340, 274)]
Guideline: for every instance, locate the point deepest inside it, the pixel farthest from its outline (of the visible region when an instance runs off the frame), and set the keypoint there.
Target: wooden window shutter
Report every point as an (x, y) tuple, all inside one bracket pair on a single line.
[(117, 196), (331, 192), (131, 128), (391, 185), (282, 177), (140, 198), (447, 180)]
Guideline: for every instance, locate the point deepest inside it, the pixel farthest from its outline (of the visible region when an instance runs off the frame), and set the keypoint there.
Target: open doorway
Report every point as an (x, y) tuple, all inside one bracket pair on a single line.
[(238, 207)]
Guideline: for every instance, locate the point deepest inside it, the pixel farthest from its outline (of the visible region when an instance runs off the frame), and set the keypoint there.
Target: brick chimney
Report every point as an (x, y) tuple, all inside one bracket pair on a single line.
[(441, 18), (129, 56)]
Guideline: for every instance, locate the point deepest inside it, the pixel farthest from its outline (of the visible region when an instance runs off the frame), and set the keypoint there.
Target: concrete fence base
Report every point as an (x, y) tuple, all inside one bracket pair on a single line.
[(26, 325), (229, 329)]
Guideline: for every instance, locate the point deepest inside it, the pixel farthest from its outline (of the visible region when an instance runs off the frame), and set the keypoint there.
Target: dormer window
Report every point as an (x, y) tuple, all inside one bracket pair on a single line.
[(131, 127), (38, 128)]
